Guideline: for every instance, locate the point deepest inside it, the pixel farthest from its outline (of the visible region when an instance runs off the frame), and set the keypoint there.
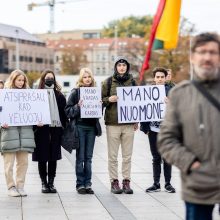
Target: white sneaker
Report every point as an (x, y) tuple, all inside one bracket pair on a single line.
[(13, 192), (22, 192)]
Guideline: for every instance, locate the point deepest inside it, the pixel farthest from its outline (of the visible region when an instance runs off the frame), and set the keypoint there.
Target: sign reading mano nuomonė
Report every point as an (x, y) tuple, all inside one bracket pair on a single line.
[(91, 102), (141, 103), (22, 107)]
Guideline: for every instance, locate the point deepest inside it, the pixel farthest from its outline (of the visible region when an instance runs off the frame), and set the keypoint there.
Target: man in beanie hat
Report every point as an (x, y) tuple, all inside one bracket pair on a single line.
[(118, 134)]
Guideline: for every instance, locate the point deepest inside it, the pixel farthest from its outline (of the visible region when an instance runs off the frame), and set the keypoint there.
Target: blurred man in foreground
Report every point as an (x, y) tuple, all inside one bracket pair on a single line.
[(189, 136)]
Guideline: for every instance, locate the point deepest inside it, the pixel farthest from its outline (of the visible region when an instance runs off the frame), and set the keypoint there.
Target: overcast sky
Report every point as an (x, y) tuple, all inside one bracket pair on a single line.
[(92, 14)]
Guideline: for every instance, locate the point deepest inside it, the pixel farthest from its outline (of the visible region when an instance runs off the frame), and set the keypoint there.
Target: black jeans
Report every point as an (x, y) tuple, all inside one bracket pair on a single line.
[(49, 169), (157, 160)]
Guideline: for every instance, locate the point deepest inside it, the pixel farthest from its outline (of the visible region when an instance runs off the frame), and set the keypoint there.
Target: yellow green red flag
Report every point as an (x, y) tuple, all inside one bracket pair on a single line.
[(167, 31), (164, 31)]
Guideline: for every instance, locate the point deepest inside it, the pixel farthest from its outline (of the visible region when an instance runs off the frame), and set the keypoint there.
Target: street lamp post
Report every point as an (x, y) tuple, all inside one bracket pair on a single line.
[(116, 41), (17, 50)]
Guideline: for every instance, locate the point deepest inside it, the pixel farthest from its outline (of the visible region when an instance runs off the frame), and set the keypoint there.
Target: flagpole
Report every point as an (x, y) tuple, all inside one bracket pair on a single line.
[(116, 41), (190, 57)]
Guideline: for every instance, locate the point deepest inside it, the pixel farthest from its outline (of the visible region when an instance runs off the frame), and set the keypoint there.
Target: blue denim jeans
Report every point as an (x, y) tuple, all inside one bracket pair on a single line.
[(198, 211), (84, 156)]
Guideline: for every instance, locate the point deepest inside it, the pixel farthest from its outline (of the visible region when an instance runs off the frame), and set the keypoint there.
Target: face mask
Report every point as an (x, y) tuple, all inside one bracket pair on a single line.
[(49, 82)]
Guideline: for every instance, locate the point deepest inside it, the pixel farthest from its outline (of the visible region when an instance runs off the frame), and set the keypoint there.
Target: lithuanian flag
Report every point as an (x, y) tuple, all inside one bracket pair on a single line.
[(164, 31)]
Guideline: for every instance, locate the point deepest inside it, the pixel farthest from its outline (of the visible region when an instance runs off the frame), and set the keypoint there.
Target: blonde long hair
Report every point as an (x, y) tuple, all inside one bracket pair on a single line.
[(10, 83), (81, 74)]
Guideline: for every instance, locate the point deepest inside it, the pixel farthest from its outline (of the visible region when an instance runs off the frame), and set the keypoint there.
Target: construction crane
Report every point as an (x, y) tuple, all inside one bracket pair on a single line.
[(51, 4)]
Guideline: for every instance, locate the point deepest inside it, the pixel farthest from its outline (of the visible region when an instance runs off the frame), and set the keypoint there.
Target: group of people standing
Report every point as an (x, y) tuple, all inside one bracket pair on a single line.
[(188, 137), (44, 141)]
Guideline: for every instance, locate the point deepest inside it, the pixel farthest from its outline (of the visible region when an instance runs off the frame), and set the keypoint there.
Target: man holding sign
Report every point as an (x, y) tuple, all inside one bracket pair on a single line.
[(118, 134), (152, 129)]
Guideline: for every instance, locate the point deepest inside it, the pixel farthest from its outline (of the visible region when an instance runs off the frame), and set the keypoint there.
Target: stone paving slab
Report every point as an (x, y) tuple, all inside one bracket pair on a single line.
[(68, 205)]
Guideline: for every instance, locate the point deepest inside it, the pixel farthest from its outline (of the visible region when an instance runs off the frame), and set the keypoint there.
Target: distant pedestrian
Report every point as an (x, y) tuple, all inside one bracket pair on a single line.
[(118, 134), (189, 136), (169, 81), (16, 143), (152, 129), (88, 129), (48, 137), (1, 84)]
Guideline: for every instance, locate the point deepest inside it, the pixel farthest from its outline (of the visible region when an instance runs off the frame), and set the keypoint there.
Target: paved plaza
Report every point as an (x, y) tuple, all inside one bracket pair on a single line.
[(67, 204)]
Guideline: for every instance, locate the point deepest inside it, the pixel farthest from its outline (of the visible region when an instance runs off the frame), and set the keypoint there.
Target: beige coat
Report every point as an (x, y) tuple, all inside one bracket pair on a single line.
[(191, 132)]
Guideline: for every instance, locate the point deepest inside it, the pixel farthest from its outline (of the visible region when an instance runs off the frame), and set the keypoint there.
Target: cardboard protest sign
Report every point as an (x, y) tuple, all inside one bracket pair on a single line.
[(141, 103), (91, 102), (22, 107)]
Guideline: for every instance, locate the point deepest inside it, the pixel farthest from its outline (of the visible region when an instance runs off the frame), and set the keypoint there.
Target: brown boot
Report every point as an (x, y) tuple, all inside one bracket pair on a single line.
[(126, 187), (115, 188)]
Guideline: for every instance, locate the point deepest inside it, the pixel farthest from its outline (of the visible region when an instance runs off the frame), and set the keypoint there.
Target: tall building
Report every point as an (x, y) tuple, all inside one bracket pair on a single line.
[(20, 49), (70, 35)]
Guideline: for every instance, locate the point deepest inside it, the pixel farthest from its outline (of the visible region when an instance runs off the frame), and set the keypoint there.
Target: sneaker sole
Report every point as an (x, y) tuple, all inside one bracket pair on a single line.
[(152, 191), (82, 192), (14, 195), (170, 191)]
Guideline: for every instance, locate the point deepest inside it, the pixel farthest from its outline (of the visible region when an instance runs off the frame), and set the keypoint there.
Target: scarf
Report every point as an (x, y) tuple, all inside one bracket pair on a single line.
[(121, 79), (54, 113)]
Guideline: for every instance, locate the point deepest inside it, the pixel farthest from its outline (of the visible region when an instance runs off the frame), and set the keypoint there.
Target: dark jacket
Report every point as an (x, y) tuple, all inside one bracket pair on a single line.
[(111, 113), (145, 126), (72, 111), (189, 132), (170, 84), (47, 138)]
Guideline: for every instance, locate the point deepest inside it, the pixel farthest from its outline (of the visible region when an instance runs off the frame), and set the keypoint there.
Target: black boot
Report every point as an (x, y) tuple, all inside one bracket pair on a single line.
[(45, 188), (52, 189)]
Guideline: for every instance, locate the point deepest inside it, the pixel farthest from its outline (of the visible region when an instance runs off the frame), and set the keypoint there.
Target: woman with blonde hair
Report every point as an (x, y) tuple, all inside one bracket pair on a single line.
[(88, 129), (48, 137), (16, 143)]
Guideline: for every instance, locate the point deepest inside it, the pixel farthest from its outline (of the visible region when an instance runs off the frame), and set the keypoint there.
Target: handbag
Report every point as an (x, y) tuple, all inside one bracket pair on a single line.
[(70, 137), (211, 98)]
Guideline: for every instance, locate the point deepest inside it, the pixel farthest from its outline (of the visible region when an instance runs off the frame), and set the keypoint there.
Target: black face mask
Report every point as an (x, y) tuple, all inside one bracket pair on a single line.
[(49, 82)]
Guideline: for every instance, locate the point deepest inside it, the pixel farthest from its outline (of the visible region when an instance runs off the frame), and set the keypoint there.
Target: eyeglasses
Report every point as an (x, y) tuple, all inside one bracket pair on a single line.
[(204, 52)]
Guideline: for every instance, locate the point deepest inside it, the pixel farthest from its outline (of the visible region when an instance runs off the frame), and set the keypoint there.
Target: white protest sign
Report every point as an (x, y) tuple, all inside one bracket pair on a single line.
[(141, 103), (24, 107), (91, 102)]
